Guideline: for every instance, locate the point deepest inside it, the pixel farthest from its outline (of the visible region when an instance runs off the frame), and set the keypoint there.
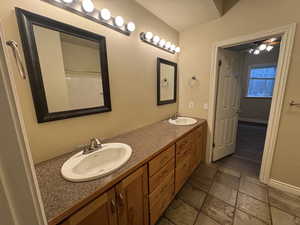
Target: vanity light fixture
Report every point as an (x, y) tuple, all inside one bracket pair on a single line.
[(86, 9), (158, 42), (87, 6), (105, 14)]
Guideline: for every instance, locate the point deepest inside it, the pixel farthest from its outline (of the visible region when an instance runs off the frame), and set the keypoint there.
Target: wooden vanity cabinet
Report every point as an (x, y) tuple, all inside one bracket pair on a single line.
[(132, 198), (143, 196), (124, 204), (101, 211)]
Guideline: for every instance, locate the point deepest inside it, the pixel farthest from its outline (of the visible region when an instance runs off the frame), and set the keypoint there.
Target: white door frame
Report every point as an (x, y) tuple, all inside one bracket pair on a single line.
[(287, 33)]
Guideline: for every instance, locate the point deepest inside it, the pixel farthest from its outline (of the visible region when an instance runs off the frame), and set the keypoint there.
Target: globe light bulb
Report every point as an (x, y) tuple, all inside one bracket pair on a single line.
[(168, 45), (177, 49), (156, 39), (131, 26), (173, 47), (119, 21), (105, 14), (162, 43), (148, 36), (88, 6), (262, 47), (251, 50), (256, 52), (269, 48)]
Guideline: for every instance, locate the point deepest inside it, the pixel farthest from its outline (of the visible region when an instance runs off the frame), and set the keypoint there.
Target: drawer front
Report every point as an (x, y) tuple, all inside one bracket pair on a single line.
[(183, 147), (161, 205), (164, 189), (161, 175), (161, 160), (182, 172)]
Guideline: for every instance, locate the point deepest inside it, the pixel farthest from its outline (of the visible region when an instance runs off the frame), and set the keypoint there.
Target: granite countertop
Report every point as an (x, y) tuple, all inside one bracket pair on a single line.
[(61, 198)]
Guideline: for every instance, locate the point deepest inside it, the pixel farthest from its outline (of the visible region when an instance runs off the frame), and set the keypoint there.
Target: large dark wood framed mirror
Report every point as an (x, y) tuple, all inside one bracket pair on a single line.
[(67, 68), (166, 82)]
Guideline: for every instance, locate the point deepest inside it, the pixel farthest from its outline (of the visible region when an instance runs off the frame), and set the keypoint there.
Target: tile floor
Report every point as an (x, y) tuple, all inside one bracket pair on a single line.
[(228, 193)]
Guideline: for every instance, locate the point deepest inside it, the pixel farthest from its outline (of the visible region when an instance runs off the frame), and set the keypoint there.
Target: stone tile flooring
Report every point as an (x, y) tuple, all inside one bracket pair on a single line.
[(220, 195)]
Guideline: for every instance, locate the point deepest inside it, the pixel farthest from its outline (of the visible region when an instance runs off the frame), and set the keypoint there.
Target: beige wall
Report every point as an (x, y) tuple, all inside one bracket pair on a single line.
[(132, 70), (246, 17), (256, 109)]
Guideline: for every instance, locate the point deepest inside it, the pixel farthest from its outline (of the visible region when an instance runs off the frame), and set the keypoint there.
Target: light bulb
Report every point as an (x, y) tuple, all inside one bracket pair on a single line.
[(168, 45), (131, 26), (105, 14), (88, 6), (119, 21), (269, 48), (173, 47), (67, 1), (256, 52), (162, 42), (156, 39), (273, 39), (177, 49), (148, 36), (251, 50), (262, 47)]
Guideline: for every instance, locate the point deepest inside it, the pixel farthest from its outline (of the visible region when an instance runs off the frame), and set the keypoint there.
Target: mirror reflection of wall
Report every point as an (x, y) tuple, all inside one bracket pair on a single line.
[(167, 81), (70, 69)]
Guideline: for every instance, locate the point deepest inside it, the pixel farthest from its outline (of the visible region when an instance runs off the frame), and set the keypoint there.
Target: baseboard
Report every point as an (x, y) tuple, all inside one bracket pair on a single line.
[(284, 187), (253, 120)]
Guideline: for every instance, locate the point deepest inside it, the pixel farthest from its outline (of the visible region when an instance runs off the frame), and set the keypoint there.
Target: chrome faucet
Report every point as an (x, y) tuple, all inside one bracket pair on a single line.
[(94, 145), (175, 116)]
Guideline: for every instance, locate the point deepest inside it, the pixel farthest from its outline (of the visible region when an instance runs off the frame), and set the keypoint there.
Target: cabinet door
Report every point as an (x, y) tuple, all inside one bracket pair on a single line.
[(132, 198), (101, 211)]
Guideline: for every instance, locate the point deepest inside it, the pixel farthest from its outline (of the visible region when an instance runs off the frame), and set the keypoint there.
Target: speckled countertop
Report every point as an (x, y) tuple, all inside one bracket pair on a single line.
[(61, 198)]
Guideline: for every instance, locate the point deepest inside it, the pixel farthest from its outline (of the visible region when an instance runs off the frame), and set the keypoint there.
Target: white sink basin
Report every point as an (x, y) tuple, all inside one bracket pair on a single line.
[(182, 121), (97, 164)]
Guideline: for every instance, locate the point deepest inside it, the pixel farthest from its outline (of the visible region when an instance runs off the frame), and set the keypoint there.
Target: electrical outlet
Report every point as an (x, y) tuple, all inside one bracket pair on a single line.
[(191, 104)]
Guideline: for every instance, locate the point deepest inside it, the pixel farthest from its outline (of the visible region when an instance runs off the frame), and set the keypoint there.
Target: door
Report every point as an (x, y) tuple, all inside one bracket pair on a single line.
[(132, 198), (102, 211), (228, 102)]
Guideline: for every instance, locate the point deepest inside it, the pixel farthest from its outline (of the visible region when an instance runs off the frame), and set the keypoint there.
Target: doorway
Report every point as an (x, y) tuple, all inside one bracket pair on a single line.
[(230, 115)]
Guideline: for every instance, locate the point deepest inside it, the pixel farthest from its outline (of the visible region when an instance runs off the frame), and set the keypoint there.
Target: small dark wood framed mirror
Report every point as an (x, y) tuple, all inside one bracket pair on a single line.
[(67, 68), (166, 81)]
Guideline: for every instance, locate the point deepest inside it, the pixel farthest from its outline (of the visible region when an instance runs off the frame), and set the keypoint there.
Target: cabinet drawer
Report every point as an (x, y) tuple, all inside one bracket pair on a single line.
[(161, 160), (160, 206), (164, 189), (182, 172), (161, 175), (183, 147)]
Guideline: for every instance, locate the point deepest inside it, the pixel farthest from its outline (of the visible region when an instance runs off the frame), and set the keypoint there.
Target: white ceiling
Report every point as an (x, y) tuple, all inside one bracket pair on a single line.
[(182, 14)]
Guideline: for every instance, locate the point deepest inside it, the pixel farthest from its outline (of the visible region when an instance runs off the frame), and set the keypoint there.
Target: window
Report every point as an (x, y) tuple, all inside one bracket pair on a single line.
[(261, 81)]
